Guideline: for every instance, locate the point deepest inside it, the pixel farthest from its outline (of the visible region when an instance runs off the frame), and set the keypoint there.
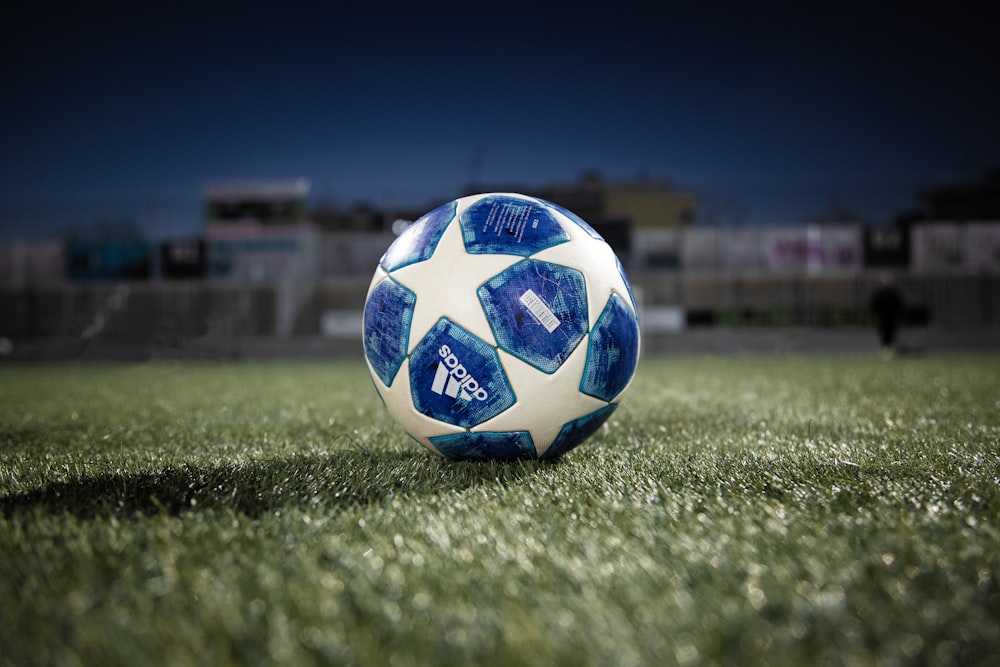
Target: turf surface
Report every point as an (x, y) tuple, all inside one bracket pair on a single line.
[(831, 510)]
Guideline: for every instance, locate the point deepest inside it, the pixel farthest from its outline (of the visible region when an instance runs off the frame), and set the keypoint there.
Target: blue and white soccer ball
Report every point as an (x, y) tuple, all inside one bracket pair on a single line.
[(500, 326)]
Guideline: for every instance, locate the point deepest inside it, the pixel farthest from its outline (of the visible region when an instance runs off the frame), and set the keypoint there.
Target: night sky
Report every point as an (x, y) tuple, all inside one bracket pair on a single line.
[(771, 115)]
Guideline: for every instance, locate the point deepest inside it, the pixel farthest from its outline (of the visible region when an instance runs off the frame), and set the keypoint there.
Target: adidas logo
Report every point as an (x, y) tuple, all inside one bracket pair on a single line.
[(453, 379)]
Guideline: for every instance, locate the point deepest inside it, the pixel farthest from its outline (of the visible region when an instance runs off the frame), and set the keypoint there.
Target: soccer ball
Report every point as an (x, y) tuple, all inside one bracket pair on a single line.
[(500, 326)]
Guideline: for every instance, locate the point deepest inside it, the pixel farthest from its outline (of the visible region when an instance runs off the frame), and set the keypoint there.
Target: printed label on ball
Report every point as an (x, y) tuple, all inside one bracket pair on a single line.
[(510, 219), (507, 225), (542, 313)]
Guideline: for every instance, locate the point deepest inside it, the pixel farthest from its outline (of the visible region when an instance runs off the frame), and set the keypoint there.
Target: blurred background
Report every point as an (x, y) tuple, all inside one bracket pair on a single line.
[(219, 180)]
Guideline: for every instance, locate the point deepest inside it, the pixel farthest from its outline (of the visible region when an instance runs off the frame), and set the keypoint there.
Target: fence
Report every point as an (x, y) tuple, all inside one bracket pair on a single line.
[(203, 319)]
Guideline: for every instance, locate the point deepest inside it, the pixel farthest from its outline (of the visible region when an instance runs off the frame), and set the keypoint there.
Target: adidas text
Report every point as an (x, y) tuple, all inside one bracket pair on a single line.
[(453, 379)]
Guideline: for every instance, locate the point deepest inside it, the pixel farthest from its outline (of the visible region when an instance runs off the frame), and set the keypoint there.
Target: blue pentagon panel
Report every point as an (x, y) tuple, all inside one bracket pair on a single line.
[(420, 239), (472, 446), (387, 317), (575, 218), (505, 225), (578, 430), (457, 378), (537, 310), (628, 285), (613, 351)]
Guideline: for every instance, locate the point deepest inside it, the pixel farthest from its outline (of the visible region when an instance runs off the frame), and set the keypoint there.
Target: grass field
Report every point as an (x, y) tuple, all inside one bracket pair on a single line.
[(793, 510)]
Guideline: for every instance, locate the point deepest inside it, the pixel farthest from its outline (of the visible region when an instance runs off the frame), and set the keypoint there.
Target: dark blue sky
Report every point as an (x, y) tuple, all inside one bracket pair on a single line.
[(768, 115)]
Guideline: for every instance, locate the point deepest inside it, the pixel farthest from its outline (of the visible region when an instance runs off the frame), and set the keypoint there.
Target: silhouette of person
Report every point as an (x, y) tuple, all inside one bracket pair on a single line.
[(887, 308)]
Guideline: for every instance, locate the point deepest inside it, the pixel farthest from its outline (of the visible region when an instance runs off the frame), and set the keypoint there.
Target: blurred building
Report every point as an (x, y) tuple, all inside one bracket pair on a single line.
[(263, 203), (974, 201), (259, 232), (887, 247), (949, 247), (362, 217), (25, 264), (270, 266), (809, 249), (108, 260), (183, 259)]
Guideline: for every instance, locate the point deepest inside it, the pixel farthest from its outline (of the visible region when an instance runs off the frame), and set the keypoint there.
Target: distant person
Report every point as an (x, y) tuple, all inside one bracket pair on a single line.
[(887, 309)]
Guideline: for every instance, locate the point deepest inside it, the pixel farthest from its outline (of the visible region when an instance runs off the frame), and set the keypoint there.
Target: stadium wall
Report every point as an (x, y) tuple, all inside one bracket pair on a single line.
[(255, 255), (299, 285), (205, 319)]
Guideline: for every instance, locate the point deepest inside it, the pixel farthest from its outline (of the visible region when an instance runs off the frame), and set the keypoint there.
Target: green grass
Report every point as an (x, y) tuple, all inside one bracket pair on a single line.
[(830, 510)]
